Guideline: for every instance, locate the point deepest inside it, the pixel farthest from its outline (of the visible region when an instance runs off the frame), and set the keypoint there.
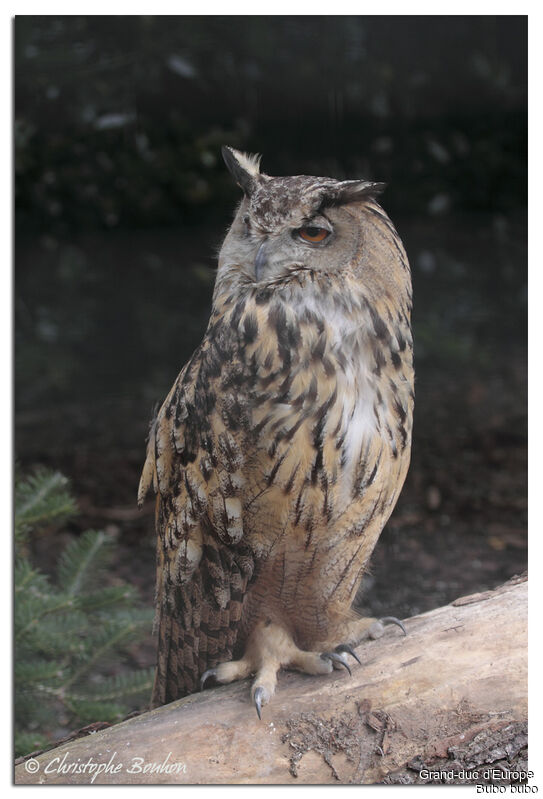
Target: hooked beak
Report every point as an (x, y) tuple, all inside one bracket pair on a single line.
[(261, 260)]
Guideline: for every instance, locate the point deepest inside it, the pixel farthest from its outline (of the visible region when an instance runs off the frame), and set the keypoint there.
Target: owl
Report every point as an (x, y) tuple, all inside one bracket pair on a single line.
[(280, 451)]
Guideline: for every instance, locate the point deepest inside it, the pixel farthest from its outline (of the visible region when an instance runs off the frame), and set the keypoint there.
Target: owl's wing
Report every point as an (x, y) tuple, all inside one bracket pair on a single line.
[(195, 459)]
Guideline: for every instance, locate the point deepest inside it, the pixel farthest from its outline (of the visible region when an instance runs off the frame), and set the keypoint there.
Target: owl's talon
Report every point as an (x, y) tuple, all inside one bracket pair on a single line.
[(394, 620), (205, 676), (257, 699), (378, 627), (336, 657), (349, 649)]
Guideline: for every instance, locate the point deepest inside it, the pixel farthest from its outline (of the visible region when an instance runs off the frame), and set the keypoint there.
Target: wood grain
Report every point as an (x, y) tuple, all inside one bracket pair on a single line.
[(460, 674)]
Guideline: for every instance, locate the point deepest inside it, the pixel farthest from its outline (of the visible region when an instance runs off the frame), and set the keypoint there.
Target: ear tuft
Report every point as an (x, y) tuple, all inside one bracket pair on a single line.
[(351, 191), (244, 168)]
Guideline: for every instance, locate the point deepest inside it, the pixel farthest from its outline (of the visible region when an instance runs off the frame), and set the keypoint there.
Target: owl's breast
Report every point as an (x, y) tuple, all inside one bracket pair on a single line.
[(323, 409)]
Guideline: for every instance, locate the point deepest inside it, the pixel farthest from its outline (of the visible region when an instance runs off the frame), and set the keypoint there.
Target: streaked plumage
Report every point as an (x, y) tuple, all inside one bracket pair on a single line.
[(281, 449)]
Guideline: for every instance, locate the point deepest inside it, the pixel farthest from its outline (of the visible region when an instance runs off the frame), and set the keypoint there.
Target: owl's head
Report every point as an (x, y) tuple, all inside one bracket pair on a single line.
[(290, 224)]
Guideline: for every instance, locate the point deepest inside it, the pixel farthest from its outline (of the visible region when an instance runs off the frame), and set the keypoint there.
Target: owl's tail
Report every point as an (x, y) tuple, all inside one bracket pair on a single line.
[(173, 677), (196, 631), (182, 650)]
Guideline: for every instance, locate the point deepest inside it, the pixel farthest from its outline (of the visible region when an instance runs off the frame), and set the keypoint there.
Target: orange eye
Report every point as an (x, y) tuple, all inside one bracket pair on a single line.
[(314, 235)]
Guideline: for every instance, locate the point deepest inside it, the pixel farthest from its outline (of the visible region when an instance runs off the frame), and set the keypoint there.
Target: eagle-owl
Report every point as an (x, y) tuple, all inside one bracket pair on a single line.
[(280, 451)]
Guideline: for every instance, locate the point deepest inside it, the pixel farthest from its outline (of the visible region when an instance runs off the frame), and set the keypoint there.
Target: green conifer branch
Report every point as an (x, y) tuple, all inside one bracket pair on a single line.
[(65, 632)]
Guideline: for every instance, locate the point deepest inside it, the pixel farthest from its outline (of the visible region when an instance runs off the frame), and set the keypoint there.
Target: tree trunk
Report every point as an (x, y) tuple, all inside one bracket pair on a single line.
[(446, 703)]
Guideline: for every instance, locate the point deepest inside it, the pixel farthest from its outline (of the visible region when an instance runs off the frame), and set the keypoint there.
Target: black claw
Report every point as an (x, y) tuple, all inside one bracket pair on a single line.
[(257, 698), (336, 658), (350, 650), (394, 620), (205, 676)]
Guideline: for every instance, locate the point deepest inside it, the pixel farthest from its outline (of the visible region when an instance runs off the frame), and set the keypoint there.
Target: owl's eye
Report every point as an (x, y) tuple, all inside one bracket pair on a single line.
[(314, 235)]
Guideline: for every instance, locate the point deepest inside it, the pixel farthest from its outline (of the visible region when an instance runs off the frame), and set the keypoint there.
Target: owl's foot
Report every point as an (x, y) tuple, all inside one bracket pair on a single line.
[(378, 627), (269, 649), (230, 671), (358, 630)]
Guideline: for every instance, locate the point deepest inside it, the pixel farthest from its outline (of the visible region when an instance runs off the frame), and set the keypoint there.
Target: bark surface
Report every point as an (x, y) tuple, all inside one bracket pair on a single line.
[(450, 699)]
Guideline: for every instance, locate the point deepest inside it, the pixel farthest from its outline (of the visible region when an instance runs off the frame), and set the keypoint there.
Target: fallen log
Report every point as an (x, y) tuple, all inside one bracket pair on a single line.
[(447, 703)]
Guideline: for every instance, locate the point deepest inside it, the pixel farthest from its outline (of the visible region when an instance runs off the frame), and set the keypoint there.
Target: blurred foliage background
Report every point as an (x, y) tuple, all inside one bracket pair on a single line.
[(122, 201)]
